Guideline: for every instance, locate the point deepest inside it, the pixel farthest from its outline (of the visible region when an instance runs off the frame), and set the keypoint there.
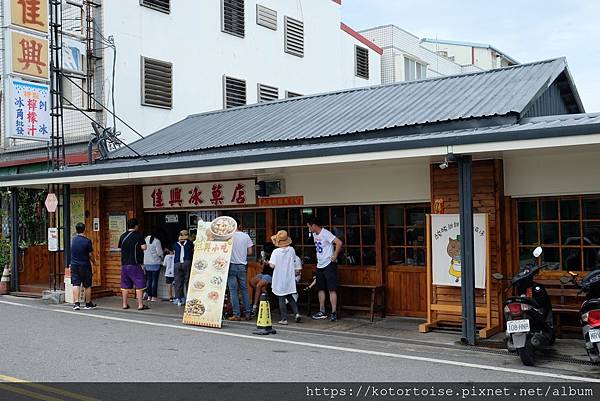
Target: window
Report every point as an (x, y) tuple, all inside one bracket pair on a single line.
[(158, 5), (254, 224), (266, 17), (361, 62), (568, 228), (414, 70), (405, 234), (157, 83), (267, 93), (294, 37), (234, 92), (354, 225), (232, 20), (289, 94)]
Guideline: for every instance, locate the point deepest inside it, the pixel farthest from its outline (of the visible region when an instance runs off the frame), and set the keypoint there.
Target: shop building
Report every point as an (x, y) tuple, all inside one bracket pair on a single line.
[(370, 162)]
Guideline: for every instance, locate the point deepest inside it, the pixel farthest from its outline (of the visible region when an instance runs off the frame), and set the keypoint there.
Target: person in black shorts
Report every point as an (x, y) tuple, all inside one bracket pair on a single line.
[(82, 259), (328, 248)]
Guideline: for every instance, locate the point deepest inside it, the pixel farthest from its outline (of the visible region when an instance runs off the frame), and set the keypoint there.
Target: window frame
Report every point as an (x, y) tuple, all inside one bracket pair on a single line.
[(405, 228), (225, 104), (143, 99), (262, 89), (286, 24), (305, 242), (418, 66), (144, 3), (583, 249), (357, 72), (233, 33)]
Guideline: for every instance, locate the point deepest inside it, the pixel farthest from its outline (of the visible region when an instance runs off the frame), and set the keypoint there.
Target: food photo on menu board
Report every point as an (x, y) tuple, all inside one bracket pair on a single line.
[(208, 277)]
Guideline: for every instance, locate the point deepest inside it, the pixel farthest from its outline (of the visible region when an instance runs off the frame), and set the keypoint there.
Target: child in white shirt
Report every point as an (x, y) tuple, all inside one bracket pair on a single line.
[(169, 263)]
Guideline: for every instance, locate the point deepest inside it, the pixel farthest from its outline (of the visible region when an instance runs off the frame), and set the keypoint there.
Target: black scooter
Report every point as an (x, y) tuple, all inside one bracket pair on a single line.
[(590, 311), (528, 315)]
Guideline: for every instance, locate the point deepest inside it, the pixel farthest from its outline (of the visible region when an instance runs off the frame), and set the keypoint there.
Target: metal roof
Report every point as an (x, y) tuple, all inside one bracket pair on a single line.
[(500, 92), (470, 44), (527, 128)]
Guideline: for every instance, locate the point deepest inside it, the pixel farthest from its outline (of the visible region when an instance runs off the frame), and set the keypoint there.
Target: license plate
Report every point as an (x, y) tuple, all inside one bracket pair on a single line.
[(595, 336), (517, 326)]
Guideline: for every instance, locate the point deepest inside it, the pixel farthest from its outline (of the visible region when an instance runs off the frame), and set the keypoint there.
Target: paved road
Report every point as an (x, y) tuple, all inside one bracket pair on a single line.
[(54, 343)]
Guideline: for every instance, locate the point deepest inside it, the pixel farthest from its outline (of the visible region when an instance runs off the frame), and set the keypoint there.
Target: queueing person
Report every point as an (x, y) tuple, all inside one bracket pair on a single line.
[(132, 247), (326, 266), (184, 253), (285, 263), (169, 264), (241, 249), (262, 280), (153, 256), (82, 259)]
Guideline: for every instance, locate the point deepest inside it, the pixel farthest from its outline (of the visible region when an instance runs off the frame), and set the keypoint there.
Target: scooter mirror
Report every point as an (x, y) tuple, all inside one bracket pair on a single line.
[(498, 276), (565, 279), (537, 252)]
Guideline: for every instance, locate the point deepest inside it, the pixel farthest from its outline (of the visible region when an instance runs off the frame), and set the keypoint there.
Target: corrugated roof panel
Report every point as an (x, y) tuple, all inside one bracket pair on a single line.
[(482, 94)]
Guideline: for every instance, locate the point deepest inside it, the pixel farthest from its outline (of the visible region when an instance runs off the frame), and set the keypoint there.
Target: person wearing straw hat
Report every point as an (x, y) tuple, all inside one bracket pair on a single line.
[(284, 263), (184, 253)]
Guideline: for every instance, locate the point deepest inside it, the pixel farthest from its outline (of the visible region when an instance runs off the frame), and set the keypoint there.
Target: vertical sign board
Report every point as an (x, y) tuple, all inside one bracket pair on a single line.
[(77, 211), (445, 249), (30, 55), (208, 277), (117, 225), (28, 111), (30, 14)]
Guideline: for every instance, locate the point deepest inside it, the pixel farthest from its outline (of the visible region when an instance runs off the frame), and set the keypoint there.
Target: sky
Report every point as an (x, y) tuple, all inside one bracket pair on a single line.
[(526, 30)]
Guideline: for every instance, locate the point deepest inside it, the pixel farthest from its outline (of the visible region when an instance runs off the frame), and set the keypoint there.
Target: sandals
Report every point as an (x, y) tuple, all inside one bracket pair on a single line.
[(126, 307), (145, 307)]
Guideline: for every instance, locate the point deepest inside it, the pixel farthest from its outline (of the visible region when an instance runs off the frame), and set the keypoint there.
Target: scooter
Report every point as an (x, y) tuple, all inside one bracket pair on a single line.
[(590, 311), (528, 316)]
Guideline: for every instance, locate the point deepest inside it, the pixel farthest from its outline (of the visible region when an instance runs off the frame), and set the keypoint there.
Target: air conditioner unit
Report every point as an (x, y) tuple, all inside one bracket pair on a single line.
[(271, 187)]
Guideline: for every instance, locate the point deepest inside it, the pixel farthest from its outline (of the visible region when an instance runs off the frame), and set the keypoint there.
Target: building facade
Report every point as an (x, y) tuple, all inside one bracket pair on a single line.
[(228, 53), (368, 162), (481, 55)]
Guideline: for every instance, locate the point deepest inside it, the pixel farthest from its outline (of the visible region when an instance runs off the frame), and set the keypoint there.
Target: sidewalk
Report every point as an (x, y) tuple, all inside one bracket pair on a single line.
[(393, 329)]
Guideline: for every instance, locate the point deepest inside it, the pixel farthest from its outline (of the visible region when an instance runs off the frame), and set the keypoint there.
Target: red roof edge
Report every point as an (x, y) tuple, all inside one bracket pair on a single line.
[(338, 1), (73, 158), (361, 38)]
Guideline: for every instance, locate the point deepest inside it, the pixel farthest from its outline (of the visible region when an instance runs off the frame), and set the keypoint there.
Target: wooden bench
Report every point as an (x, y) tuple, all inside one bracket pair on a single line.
[(565, 300), (373, 307)]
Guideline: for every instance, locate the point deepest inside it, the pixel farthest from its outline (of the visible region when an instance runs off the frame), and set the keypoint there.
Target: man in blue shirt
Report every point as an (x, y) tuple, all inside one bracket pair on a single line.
[(82, 259)]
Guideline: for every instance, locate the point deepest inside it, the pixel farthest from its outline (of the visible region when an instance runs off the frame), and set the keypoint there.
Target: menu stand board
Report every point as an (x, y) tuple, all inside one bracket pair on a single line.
[(208, 277)]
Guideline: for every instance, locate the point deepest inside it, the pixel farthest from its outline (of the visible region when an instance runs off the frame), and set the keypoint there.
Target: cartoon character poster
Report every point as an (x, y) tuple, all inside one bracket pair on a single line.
[(446, 249)]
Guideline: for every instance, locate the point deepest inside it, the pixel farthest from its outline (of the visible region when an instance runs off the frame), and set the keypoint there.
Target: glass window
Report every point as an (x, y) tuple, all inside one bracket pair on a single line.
[(253, 224), (354, 225), (405, 234), (568, 228)]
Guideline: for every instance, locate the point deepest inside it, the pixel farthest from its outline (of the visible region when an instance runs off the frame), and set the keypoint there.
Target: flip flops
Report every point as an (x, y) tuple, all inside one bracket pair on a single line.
[(145, 307), (126, 307)]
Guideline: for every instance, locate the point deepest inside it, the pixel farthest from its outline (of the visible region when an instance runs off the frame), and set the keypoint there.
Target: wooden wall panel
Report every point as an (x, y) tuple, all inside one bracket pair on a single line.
[(406, 291), (488, 197), (34, 265), (114, 200)]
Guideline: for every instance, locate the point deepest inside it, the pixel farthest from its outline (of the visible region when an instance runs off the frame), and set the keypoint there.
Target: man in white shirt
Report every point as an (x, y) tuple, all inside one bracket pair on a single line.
[(326, 266), (242, 248)]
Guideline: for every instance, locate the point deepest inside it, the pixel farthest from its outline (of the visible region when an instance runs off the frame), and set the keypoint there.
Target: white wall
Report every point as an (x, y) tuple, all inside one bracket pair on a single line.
[(190, 37), (567, 172), (397, 44), (400, 182)]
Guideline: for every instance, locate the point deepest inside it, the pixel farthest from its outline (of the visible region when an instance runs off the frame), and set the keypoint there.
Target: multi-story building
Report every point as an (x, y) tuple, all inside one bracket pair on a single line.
[(407, 57), (482, 55), (158, 61), (176, 58)]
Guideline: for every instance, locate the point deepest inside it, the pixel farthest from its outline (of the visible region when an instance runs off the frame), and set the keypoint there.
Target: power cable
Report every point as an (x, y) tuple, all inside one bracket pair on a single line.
[(94, 121)]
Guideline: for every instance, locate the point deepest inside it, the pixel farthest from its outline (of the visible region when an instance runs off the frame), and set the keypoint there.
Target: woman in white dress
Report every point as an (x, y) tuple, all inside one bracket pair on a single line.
[(284, 263)]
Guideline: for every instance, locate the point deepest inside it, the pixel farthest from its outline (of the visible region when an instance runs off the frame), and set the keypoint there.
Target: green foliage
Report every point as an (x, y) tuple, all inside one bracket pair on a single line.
[(32, 217), (4, 252)]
